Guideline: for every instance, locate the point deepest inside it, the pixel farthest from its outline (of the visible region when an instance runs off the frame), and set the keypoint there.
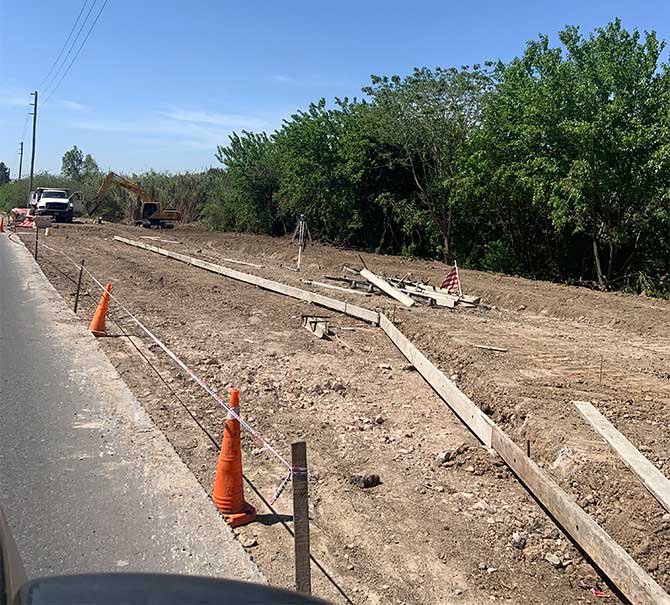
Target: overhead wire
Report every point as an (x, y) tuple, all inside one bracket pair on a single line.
[(69, 52), (88, 34), (25, 124), (81, 10)]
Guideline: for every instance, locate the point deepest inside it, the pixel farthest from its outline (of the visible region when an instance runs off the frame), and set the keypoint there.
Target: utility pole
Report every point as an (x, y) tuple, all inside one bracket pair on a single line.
[(20, 158), (32, 151)]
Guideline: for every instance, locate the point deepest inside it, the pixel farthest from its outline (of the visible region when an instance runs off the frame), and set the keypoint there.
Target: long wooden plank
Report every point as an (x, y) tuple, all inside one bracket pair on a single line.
[(267, 284), (653, 479), (443, 300), (478, 422), (633, 581), (320, 284), (619, 566), (384, 286)]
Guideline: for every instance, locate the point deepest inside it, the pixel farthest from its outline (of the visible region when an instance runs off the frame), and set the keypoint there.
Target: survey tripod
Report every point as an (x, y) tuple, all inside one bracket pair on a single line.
[(302, 234)]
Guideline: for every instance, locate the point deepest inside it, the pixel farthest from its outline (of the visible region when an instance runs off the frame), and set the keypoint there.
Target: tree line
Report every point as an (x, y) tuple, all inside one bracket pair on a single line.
[(189, 192), (554, 165)]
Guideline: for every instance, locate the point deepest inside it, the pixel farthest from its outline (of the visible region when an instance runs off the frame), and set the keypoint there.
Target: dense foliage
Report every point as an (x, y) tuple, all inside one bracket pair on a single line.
[(4, 174), (554, 165), (188, 192)]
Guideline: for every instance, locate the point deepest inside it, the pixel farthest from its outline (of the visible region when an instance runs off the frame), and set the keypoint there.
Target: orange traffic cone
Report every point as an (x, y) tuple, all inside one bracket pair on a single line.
[(228, 492), (97, 326)]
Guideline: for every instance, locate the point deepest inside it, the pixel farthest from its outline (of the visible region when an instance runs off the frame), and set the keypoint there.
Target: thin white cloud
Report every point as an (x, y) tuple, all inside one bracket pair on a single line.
[(14, 100), (159, 127), (74, 106), (308, 82), (174, 127), (161, 130), (234, 121), (283, 79)]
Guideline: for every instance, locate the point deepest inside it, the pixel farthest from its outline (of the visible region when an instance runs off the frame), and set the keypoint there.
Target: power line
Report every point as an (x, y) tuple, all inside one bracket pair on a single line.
[(64, 45), (74, 42), (25, 124), (78, 51)]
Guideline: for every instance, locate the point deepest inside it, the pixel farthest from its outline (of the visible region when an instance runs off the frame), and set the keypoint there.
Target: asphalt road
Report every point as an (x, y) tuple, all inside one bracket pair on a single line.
[(87, 482)]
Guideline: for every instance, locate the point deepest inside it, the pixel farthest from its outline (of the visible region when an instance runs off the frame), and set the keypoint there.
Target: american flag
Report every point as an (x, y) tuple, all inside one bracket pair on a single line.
[(452, 283)]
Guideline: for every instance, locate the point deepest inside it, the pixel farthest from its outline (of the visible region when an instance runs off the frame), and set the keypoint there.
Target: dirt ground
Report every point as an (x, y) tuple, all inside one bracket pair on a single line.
[(461, 531)]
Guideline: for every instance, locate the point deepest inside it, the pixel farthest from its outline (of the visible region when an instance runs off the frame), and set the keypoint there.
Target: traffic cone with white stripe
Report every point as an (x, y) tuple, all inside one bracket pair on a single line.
[(97, 325), (228, 492)]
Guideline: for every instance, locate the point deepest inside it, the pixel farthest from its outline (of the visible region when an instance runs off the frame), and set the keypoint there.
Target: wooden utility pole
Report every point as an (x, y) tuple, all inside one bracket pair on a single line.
[(32, 151), (303, 576), (20, 159)]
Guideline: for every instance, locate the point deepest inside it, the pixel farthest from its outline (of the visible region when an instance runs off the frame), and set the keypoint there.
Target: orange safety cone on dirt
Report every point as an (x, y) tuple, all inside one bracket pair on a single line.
[(228, 492), (97, 326)]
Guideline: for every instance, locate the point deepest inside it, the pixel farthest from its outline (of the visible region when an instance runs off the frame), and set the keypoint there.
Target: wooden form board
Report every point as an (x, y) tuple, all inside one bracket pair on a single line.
[(443, 300), (478, 422), (320, 284), (653, 479), (633, 581), (267, 284), (615, 562), (384, 286)]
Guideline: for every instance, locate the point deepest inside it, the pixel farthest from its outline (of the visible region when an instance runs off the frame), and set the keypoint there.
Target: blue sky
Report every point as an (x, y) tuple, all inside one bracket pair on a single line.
[(161, 84)]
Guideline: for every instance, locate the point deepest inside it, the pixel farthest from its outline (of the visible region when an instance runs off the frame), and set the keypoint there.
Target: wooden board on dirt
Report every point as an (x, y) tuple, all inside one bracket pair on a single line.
[(316, 325), (653, 479), (384, 286)]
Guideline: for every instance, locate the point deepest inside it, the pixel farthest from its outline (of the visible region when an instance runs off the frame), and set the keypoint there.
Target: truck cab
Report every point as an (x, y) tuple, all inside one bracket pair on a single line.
[(58, 203)]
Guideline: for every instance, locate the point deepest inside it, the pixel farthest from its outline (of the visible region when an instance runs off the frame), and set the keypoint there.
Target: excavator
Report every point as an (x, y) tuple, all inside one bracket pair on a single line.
[(150, 212)]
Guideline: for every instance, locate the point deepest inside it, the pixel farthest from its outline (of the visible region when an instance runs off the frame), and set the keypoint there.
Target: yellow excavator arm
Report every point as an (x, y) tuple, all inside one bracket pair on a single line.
[(111, 179)]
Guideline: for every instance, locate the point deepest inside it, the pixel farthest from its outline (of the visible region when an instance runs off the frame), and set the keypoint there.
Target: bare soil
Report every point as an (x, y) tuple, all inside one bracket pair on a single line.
[(464, 531)]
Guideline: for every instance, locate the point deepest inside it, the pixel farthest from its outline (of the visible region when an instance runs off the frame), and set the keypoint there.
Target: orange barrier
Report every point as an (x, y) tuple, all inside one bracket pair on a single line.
[(97, 326), (228, 492)]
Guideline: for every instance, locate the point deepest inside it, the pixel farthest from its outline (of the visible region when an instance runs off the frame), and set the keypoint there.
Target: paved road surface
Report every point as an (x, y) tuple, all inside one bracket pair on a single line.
[(87, 482)]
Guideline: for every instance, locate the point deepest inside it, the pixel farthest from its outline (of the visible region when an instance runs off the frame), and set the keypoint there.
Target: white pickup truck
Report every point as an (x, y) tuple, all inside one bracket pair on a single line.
[(46, 201)]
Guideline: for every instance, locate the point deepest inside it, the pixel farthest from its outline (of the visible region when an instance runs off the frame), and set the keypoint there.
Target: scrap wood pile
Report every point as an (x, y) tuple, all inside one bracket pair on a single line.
[(402, 289)]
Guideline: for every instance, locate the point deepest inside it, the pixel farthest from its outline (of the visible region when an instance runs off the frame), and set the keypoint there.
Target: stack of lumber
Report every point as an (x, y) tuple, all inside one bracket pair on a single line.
[(405, 292), (432, 295)]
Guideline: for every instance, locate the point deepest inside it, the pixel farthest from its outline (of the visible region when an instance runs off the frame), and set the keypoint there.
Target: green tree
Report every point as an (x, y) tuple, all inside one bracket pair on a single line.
[(4, 174), (617, 91), (577, 136), (73, 164), (89, 167), (430, 117), (247, 201)]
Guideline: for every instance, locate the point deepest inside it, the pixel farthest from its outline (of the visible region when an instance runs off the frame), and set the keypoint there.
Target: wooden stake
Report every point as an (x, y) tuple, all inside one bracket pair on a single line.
[(601, 369), (76, 297), (303, 577), (37, 237)]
